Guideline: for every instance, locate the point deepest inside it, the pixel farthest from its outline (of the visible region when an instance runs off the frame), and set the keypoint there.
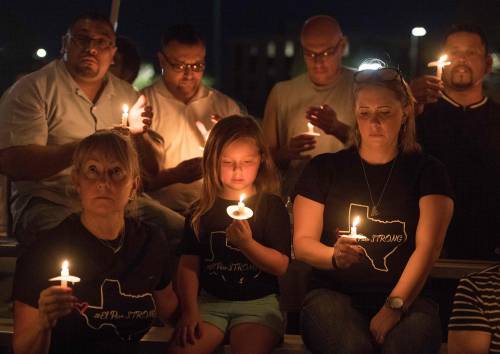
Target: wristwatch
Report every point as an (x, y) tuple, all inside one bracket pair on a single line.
[(395, 303)]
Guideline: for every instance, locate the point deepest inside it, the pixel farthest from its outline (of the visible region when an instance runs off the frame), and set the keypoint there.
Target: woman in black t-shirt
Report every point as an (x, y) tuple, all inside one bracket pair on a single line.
[(366, 292), (123, 264)]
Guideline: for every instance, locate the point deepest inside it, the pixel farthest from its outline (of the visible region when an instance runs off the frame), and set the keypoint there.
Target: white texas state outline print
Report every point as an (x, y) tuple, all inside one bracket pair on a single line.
[(400, 238)]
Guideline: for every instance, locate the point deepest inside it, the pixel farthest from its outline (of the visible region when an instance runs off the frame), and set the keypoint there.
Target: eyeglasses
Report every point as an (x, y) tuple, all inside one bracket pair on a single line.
[(179, 68), (322, 55), (89, 42)]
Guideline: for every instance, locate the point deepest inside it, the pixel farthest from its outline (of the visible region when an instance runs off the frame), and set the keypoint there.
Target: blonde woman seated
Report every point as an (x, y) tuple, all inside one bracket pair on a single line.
[(123, 264), (368, 294)]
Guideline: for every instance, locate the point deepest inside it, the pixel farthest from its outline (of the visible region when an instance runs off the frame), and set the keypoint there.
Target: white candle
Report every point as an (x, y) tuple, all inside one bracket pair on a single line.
[(241, 205), (204, 132), (64, 274), (125, 115), (310, 128), (65, 277), (439, 64), (354, 227)]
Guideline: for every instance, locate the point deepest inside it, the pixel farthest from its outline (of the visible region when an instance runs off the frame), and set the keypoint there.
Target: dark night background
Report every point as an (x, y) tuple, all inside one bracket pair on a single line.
[(374, 28)]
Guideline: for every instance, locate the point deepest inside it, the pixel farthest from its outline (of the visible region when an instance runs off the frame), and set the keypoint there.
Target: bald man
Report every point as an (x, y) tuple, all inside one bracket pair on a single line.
[(321, 96)]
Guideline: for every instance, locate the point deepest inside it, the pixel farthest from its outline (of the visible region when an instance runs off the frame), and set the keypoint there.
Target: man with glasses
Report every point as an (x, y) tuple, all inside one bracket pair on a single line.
[(322, 96), (44, 115), (184, 108), (461, 127)]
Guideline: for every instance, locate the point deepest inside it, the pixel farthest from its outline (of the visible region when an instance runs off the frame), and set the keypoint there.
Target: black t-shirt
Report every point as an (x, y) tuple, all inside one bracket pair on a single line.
[(224, 271), (337, 181), (467, 141), (115, 292)]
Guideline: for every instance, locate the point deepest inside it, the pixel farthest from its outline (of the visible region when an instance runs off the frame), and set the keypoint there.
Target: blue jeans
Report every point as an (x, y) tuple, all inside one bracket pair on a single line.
[(332, 324)]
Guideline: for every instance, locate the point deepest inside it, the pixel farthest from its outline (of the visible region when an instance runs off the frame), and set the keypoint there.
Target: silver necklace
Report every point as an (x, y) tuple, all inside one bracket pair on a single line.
[(375, 207), (110, 243)]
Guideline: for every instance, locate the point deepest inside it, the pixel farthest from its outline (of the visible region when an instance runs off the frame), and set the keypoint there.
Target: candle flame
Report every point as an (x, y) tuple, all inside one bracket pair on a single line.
[(242, 196), (441, 62), (65, 264), (310, 126), (356, 221), (443, 58), (125, 108)]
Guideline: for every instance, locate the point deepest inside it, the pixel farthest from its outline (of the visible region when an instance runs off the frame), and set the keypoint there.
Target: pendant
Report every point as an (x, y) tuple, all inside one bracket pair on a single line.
[(374, 211)]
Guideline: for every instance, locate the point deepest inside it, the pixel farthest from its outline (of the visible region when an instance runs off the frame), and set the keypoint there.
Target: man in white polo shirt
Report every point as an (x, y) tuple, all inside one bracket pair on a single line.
[(44, 115), (180, 100)]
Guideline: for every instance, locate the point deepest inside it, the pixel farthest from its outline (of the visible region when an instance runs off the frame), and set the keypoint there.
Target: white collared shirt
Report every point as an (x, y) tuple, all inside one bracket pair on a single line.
[(175, 122), (47, 107)]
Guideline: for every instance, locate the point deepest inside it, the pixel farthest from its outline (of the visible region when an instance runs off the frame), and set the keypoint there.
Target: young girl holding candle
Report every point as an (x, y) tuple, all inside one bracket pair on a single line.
[(227, 276)]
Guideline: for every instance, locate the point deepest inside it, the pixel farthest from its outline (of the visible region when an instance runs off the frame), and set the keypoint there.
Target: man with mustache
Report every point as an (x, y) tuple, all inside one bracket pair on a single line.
[(44, 115), (461, 126)]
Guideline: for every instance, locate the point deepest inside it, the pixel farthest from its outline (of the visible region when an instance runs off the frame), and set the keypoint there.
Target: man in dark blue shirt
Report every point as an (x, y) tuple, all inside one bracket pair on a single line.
[(461, 127)]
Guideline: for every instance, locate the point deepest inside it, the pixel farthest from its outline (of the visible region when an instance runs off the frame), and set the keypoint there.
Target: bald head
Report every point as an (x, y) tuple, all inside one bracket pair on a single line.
[(320, 28), (323, 45)]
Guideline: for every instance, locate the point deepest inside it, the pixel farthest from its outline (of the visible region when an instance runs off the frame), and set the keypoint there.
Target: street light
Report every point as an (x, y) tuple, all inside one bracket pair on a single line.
[(416, 33), (41, 53)]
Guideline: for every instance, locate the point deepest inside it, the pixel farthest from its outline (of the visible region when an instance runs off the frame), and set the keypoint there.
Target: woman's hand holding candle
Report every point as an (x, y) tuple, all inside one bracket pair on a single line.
[(54, 303), (347, 252)]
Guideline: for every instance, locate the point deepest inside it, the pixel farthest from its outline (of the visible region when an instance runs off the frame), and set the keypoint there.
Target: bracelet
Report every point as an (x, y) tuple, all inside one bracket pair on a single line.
[(334, 261)]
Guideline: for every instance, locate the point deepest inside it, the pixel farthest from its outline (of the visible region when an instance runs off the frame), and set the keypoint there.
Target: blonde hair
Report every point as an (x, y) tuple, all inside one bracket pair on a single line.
[(113, 145), (407, 140), (225, 132)]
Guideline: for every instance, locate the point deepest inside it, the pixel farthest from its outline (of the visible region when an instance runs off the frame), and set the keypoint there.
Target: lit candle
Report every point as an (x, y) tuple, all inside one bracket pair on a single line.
[(241, 205), (125, 115), (354, 227), (240, 211), (354, 231), (65, 277), (64, 274), (439, 64), (310, 129), (204, 132)]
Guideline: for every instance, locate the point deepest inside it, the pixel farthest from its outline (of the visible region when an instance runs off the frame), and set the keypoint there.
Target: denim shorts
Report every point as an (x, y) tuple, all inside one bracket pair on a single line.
[(225, 314)]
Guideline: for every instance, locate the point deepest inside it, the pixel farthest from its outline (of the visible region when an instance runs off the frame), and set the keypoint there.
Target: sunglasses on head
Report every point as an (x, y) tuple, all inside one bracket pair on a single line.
[(378, 75)]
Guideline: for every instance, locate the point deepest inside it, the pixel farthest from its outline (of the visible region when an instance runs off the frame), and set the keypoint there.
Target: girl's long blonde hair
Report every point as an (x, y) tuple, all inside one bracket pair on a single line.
[(225, 132)]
